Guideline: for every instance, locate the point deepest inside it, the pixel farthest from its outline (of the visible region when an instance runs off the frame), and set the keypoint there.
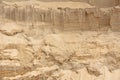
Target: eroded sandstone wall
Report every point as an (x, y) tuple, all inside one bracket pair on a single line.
[(67, 41), (66, 18)]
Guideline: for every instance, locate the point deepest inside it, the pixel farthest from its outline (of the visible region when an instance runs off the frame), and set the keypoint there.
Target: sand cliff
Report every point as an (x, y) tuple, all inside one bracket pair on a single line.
[(59, 40)]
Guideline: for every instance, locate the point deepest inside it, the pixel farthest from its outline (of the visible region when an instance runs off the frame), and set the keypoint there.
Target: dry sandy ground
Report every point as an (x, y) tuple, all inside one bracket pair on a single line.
[(52, 5), (30, 52)]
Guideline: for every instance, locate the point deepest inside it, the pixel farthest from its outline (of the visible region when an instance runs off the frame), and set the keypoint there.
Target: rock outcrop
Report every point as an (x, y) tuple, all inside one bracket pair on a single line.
[(59, 40), (64, 18)]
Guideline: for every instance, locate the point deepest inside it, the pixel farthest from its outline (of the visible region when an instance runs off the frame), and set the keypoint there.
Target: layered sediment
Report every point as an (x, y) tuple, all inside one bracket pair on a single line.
[(59, 40), (63, 15)]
